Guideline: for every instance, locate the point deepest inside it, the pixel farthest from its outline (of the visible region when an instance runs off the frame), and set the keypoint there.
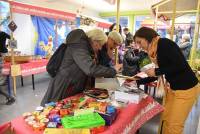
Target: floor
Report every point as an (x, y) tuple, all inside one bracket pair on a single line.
[(28, 99)]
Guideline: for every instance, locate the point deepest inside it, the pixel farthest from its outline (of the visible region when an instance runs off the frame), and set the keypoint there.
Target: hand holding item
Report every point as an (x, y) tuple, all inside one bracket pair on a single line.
[(150, 72)]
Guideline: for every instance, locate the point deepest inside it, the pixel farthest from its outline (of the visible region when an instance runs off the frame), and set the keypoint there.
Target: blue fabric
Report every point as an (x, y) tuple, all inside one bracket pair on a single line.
[(62, 31), (44, 28), (4, 13)]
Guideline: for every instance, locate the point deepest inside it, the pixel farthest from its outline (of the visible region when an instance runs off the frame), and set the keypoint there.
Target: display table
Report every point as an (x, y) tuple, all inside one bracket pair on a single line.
[(129, 118), (31, 68)]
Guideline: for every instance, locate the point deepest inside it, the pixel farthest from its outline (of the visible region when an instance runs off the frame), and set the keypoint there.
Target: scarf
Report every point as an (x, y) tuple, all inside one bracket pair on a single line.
[(152, 52)]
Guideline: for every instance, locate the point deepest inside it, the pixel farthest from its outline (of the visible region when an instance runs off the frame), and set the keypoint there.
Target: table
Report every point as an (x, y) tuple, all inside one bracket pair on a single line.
[(129, 119), (31, 68)]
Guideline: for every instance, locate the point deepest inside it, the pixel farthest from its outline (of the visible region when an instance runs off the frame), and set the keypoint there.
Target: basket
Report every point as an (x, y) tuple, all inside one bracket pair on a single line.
[(19, 59)]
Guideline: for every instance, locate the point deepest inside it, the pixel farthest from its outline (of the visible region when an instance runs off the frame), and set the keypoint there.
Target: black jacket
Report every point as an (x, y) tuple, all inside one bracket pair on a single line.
[(129, 39), (174, 66), (76, 66), (3, 37)]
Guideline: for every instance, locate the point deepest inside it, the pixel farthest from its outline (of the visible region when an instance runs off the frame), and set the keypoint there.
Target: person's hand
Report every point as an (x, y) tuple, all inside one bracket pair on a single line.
[(118, 67), (150, 72)]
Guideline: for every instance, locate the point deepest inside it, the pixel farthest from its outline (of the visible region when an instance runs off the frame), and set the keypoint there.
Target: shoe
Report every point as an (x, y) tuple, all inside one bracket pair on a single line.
[(10, 100)]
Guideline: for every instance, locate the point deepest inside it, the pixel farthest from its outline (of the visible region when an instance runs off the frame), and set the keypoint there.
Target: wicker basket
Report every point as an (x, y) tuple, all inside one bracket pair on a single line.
[(19, 59)]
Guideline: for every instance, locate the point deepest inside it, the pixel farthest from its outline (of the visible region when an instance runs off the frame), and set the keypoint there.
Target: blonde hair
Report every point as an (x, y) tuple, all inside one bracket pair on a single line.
[(116, 37), (97, 35)]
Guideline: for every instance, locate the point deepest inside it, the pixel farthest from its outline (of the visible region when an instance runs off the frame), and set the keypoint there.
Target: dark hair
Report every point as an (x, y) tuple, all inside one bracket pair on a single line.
[(147, 33), (112, 26), (125, 29)]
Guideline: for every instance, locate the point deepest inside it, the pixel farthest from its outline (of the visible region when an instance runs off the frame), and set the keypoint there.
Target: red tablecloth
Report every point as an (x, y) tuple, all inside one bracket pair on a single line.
[(128, 120), (32, 67)]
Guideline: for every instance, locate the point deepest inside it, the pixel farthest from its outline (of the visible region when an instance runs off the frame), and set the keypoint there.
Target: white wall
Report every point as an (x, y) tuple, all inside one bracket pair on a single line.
[(24, 33)]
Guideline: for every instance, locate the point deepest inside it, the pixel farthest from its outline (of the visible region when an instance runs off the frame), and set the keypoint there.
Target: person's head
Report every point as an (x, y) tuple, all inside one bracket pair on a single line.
[(185, 38), (126, 30), (97, 38), (144, 36), (114, 39), (113, 27)]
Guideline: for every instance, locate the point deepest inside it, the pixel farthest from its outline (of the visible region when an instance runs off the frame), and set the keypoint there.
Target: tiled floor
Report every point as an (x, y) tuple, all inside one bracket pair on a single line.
[(28, 100)]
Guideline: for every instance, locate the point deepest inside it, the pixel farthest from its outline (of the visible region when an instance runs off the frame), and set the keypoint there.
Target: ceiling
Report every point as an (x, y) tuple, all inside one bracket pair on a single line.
[(102, 5)]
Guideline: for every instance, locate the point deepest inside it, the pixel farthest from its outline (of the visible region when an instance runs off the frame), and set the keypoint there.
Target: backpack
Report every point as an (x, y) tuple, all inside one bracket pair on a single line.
[(56, 60)]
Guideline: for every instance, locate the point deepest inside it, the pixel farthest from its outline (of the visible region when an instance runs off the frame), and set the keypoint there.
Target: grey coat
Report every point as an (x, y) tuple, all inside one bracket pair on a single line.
[(185, 48), (77, 65)]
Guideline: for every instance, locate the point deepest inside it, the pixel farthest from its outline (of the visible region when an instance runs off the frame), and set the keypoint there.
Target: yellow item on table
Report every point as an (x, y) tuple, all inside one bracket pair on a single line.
[(66, 131)]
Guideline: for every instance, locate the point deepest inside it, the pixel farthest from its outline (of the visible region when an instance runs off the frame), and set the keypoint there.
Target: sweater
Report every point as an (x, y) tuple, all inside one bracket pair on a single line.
[(174, 66)]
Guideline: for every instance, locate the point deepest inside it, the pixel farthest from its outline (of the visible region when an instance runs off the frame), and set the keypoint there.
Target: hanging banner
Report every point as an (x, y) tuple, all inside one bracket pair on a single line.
[(103, 25), (40, 11), (45, 32)]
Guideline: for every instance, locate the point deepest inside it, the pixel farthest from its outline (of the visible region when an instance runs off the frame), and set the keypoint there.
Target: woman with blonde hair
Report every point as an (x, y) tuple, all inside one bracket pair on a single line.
[(78, 63)]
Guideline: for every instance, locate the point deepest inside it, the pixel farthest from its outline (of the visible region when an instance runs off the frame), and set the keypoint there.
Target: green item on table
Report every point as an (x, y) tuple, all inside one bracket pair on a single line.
[(83, 121), (144, 62), (81, 99)]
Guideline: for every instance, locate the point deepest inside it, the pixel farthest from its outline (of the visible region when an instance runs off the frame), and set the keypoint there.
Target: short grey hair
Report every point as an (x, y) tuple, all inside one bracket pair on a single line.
[(116, 37), (97, 35)]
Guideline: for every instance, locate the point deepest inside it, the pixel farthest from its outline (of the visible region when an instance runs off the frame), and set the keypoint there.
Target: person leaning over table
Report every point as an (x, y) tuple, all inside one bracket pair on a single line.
[(105, 55), (184, 87), (78, 64)]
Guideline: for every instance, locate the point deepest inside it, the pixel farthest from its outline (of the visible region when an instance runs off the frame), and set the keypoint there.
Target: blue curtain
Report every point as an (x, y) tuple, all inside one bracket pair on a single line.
[(62, 31), (44, 28)]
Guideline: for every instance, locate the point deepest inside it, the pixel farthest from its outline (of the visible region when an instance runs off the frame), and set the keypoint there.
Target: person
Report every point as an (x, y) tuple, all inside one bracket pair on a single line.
[(3, 79), (129, 37), (182, 89), (105, 55), (185, 46), (133, 59), (78, 64), (113, 27)]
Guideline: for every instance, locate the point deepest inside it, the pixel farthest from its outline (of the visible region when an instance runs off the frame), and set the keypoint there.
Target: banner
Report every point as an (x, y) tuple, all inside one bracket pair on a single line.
[(44, 28), (40, 11)]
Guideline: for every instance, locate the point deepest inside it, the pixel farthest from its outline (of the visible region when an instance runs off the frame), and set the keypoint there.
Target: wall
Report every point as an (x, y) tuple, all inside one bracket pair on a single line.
[(24, 33)]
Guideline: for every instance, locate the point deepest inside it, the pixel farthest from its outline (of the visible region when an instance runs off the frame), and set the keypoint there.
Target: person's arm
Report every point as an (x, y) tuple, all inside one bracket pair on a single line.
[(146, 80), (83, 59)]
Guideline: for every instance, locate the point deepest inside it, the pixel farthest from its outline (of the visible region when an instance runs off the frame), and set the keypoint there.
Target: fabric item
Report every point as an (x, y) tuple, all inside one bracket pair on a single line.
[(76, 66), (128, 39), (44, 27), (130, 63), (152, 50), (177, 106), (160, 88), (173, 65), (56, 60), (3, 37)]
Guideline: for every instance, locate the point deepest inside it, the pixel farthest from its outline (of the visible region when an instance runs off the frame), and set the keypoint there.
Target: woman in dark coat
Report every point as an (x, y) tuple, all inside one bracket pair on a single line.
[(77, 65)]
